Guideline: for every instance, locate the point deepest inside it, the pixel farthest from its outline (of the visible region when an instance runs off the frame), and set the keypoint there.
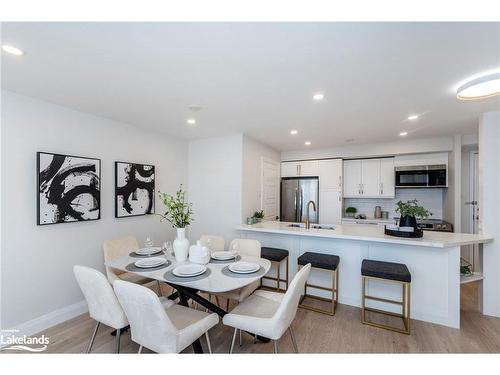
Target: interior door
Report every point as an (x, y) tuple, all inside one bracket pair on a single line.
[(370, 178), (387, 178), (352, 178), (269, 195)]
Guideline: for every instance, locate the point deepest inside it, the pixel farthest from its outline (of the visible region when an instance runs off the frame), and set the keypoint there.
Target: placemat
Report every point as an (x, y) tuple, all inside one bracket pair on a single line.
[(260, 272), (215, 261), (170, 277), (132, 267)]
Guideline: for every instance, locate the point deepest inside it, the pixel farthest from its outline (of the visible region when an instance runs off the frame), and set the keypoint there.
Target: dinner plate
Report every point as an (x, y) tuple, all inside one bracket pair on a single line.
[(150, 262), (244, 267), (148, 251), (189, 270), (224, 255)]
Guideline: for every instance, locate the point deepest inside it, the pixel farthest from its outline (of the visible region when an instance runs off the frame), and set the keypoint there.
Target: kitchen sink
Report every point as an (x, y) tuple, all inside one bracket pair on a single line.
[(313, 226)]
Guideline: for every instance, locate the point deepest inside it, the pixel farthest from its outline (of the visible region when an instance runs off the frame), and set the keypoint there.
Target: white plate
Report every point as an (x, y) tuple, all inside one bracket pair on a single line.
[(223, 255), (244, 267), (148, 251), (150, 262), (189, 270)]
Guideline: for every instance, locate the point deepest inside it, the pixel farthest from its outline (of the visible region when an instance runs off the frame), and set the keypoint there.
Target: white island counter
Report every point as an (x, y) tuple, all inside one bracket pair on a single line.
[(434, 262)]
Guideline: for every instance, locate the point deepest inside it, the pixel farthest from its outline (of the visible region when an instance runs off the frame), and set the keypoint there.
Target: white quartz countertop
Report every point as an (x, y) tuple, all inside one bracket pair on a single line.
[(371, 233)]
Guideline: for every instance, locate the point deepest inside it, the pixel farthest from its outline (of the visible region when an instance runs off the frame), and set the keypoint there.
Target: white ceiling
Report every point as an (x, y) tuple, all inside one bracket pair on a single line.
[(259, 78)]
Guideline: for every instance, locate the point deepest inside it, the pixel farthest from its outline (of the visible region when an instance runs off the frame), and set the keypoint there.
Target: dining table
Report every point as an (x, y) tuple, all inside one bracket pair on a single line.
[(216, 279)]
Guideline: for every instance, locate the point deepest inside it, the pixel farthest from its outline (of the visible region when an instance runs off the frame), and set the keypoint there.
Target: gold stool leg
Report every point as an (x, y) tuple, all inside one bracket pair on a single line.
[(278, 277), (286, 286), (363, 289)]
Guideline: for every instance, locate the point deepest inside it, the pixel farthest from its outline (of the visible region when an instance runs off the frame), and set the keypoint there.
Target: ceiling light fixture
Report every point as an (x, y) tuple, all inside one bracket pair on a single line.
[(481, 87), (191, 121), (307, 143), (12, 50), (412, 117), (319, 96), (293, 132), (403, 134)]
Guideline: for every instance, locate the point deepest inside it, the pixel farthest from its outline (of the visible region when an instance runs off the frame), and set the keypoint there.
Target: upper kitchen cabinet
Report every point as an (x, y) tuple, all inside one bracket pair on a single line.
[(369, 178), (330, 174), (300, 168)]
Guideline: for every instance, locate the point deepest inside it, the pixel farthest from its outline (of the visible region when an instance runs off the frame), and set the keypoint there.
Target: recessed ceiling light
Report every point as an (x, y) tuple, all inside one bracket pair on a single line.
[(403, 134), (481, 87), (191, 121), (12, 50), (307, 143), (319, 96), (293, 132), (412, 117)]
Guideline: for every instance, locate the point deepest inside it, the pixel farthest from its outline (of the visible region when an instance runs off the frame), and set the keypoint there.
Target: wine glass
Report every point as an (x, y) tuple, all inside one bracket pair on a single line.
[(234, 247), (148, 242)]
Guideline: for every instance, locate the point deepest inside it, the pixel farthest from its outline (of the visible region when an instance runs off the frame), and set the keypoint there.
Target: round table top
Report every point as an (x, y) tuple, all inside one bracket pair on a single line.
[(216, 282)]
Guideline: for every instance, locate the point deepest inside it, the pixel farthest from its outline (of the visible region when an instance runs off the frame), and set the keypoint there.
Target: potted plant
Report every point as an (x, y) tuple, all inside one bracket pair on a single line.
[(258, 216), (410, 211), (178, 213), (350, 211)]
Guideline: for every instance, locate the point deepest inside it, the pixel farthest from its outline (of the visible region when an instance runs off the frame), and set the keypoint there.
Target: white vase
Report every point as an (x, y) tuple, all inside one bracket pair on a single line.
[(181, 245)]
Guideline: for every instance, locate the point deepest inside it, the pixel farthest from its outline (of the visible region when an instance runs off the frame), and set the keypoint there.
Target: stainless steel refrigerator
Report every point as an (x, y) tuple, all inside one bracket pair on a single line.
[(295, 193)]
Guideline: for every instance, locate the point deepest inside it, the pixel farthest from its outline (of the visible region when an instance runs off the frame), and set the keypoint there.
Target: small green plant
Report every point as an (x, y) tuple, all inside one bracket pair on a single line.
[(412, 209), (351, 210), (259, 214), (179, 212)]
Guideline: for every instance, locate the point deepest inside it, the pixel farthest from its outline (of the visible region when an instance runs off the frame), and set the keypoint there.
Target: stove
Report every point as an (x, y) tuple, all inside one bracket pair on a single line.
[(435, 225)]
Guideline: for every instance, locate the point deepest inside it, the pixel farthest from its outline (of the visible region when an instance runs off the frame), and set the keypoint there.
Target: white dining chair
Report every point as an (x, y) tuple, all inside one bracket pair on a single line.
[(102, 302), (249, 248), (215, 243), (161, 328), (119, 247), (269, 314)]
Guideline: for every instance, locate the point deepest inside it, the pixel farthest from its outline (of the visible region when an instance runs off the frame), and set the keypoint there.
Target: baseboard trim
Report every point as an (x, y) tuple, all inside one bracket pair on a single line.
[(51, 319)]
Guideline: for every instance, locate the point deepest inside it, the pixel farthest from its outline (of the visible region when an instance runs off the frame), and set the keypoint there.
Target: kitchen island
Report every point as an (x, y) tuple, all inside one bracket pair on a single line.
[(433, 260)]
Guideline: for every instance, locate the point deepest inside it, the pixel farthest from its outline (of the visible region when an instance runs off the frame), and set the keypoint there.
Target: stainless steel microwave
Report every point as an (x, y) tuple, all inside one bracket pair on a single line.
[(422, 176)]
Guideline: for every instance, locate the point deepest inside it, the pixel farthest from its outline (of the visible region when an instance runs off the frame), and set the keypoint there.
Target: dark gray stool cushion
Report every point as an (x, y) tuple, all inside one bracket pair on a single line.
[(324, 261), (273, 254), (385, 270)]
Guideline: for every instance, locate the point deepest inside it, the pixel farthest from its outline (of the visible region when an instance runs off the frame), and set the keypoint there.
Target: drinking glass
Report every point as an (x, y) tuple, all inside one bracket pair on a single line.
[(149, 242)]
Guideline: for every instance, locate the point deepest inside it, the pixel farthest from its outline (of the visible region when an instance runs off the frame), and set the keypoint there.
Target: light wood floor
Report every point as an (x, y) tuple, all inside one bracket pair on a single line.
[(318, 333)]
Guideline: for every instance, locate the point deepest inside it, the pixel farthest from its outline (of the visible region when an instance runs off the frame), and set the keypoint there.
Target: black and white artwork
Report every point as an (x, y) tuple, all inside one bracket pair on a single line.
[(134, 189), (69, 188)]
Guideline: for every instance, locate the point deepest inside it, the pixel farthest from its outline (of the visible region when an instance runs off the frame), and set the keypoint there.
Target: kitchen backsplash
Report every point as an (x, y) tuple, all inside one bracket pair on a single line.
[(431, 199)]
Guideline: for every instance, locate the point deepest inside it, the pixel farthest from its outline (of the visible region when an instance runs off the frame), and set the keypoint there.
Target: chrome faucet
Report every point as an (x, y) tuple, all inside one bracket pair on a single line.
[(308, 224)]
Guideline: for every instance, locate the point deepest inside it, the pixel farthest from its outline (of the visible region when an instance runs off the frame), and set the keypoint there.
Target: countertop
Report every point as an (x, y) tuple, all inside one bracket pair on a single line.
[(371, 233)]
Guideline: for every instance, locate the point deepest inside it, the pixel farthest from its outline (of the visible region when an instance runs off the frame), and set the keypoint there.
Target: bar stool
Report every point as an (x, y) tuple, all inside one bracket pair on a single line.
[(275, 256), (324, 262), (387, 272)]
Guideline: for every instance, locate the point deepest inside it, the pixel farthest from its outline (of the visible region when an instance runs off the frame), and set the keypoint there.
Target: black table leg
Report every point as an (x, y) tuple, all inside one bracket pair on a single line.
[(183, 300)]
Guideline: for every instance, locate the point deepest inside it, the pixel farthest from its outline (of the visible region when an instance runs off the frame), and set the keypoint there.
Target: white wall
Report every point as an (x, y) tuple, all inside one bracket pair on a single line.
[(214, 179), (400, 147), (489, 187), (38, 286), (253, 152)]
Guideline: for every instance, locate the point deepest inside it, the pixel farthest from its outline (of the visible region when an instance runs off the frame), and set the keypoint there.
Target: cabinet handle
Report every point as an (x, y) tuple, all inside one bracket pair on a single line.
[(340, 181), (297, 169), (381, 189), (359, 189)]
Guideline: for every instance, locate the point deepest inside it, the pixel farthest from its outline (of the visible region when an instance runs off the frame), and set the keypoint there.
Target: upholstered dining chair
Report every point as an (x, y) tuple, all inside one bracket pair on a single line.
[(244, 247), (215, 243), (119, 247), (102, 302), (167, 328), (267, 313)]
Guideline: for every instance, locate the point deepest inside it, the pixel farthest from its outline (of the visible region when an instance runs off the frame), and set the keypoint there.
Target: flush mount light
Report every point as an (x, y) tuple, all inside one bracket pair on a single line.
[(293, 132), (12, 50), (307, 143), (319, 96), (191, 121), (403, 134), (412, 117), (481, 87)]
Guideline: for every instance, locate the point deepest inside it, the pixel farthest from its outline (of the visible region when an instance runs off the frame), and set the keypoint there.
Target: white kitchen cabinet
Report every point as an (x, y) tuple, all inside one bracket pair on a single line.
[(387, 178), (369, 178), (297, 169), (330, 207), (352, 178), (330, 174)]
